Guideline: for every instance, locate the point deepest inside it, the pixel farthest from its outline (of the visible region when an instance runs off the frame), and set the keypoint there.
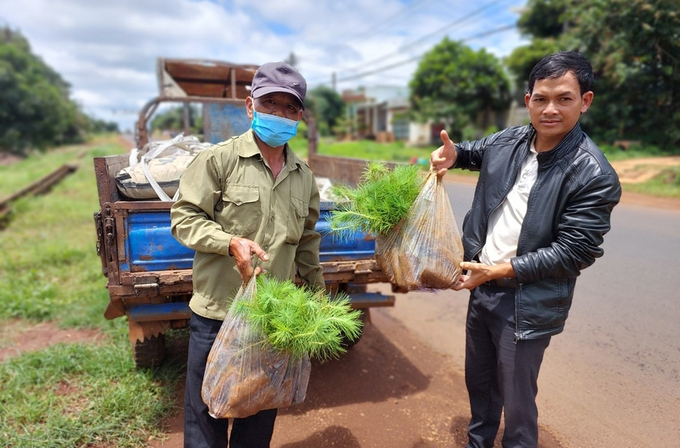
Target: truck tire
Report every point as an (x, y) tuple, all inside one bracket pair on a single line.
[(364, 317), (149, 352)]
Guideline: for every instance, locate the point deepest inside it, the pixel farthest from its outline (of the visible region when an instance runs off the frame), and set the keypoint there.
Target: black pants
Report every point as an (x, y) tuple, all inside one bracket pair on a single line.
[(500, 374), (200, 429)]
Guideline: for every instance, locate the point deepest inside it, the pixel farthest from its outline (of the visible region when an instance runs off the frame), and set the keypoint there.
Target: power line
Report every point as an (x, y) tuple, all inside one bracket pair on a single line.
[(378, 70), (421, 39), (397, 64), (455, 22), (401, 12)]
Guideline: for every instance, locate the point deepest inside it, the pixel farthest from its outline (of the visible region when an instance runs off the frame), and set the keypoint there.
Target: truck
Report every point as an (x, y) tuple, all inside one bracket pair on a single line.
[(149, 274)]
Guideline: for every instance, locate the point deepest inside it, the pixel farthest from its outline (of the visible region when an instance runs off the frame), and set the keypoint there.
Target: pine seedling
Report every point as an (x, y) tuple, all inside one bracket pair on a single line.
[(379, 202), (299, 321)]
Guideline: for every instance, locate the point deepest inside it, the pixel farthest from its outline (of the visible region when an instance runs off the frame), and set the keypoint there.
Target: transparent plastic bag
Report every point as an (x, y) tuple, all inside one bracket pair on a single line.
[(245, 375), (424, 250)]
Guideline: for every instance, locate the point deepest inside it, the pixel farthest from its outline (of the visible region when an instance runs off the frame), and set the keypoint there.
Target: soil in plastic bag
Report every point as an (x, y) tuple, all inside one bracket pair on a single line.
[(424, 250), (245, 375)]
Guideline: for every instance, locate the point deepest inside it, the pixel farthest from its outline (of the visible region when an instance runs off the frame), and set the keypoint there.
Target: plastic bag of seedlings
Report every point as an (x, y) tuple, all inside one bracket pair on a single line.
[(424, 250), (244, 374)]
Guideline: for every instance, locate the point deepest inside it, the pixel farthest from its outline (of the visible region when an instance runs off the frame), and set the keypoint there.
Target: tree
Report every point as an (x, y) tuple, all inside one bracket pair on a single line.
[(103, 126), (634, 47), (327, 108), (544, 18), (524, 58), (456, 84), (35, 109), (173, 120), (545, 21)]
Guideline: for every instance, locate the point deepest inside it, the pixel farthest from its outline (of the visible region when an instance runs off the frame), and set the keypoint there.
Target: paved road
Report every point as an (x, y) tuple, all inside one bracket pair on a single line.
[(612, 379)]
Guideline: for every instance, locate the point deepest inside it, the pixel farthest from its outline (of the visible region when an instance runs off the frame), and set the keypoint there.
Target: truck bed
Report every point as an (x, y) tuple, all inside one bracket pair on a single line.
[(145, 265)]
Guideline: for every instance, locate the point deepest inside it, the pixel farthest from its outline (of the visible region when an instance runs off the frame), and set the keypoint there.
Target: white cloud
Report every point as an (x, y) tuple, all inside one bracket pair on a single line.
[(107, 49)]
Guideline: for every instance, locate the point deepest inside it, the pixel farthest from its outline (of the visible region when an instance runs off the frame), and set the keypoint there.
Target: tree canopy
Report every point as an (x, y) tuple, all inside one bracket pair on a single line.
[(173, 120), (634, 46), (35, 109), (522, 60), (327, 108), (456, 84), (544, 18)]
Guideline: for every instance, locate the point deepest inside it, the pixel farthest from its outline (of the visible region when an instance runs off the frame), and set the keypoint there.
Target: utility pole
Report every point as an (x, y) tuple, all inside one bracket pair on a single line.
[(186, 119), (334, 82)]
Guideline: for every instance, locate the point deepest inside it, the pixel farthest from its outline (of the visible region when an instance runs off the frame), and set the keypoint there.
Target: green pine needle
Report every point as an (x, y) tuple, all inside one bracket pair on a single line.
[(380, 201), (299, 321)]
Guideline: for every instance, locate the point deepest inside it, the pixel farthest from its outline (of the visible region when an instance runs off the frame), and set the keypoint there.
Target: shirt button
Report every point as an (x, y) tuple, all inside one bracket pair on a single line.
[(272, 218)]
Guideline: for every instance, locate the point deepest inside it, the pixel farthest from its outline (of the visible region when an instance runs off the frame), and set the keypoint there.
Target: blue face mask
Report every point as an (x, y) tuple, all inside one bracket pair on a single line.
[(273, 130)]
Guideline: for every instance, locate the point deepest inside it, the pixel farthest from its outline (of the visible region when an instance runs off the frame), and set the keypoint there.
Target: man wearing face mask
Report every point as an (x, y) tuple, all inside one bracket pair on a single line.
[(245, 205)]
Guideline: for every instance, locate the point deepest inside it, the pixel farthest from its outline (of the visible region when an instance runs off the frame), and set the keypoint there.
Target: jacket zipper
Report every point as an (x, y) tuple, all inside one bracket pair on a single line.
[(518, 291)]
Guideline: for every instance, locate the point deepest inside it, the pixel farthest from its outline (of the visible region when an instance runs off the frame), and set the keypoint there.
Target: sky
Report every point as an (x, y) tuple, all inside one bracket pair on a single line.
[(108, 49)]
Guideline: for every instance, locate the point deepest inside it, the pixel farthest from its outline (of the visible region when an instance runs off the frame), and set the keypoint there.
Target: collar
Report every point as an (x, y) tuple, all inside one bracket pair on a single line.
[(247, 147), (568, 143)]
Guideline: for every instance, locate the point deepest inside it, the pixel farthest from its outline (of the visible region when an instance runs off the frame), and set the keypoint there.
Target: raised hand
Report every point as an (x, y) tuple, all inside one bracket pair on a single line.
[(443, 157)]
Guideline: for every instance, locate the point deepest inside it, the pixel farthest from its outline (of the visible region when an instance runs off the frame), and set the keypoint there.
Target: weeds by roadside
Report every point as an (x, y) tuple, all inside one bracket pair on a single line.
[(48, 264), (665, 184), (76, 394), (79, 394)]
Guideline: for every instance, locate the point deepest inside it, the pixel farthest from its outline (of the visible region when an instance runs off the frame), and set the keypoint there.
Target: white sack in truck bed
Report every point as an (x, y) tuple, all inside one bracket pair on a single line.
[(154, 172)]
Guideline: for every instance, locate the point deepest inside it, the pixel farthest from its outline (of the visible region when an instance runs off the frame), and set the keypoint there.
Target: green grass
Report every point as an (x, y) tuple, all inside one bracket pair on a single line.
[(77, 394), (24, 172), (371, 150), (665, 184), (71, 395), (615, 153), (49, 268), (364, 149)]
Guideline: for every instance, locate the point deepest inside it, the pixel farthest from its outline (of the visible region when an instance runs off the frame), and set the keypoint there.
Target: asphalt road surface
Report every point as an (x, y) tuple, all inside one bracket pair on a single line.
[(612, 378)]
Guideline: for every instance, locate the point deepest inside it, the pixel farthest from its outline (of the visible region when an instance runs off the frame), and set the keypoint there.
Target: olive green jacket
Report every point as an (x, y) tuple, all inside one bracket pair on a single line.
[(228, 190)]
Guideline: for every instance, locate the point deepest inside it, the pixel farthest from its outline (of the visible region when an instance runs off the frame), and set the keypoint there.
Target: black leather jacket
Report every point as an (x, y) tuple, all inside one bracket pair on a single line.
[(568, 214)]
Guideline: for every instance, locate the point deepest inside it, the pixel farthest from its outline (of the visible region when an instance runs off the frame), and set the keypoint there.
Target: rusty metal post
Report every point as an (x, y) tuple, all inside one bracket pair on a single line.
[(186, 119)]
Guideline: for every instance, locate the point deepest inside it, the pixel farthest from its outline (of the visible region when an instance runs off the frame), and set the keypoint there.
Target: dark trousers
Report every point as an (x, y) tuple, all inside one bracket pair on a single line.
[(500, 374), (200, 429)]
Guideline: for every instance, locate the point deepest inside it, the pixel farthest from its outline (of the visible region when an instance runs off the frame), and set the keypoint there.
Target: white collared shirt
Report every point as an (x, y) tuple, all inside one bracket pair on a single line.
[(505, 222)]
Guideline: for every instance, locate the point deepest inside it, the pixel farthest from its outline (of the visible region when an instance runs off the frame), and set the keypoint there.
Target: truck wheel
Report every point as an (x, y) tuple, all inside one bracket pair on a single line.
[(364, 317), (149, 352)]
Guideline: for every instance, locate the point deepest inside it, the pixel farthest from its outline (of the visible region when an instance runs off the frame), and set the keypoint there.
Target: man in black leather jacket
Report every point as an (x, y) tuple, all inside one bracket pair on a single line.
[(541, 208)]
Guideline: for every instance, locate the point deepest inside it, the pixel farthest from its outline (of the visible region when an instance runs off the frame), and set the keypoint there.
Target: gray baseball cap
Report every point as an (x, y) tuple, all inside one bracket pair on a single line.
[(278, 77)]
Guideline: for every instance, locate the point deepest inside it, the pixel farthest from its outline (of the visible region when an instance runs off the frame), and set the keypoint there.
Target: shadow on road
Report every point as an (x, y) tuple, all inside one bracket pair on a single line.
[(374, 370), (331, 436)]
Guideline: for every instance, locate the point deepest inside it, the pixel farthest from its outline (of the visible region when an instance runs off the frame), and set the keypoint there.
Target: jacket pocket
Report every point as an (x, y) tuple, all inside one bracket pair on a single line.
[(241, 212), (299, 211)]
